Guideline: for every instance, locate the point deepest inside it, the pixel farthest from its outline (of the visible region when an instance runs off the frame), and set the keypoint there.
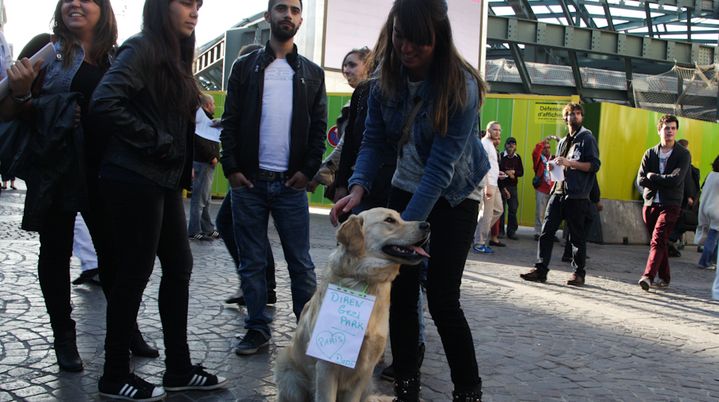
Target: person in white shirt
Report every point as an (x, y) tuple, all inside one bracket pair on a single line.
[(492, 207)]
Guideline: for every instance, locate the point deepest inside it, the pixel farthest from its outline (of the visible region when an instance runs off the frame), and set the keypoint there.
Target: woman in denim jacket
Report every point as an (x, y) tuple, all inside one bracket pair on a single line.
[(440, 165), (84, 38)]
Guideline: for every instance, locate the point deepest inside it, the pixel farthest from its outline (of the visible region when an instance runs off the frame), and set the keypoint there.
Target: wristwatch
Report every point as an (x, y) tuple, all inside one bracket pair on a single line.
[(22, 99)]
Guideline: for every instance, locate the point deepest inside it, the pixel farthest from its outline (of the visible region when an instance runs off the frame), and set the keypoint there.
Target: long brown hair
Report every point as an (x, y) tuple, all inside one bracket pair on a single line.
[(104, 35), (425, 22), (172, 59)]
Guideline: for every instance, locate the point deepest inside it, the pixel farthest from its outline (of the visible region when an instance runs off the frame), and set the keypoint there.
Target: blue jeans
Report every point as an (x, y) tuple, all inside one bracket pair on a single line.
[(251, 208), (709, 255), (200, 219)]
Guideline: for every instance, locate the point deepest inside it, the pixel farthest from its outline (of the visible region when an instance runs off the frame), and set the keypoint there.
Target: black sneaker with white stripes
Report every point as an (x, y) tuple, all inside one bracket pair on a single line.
[(196, 379), (133, 388)]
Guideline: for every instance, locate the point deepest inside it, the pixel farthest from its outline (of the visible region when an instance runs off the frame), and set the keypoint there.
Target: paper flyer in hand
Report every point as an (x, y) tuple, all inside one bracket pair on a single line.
[(556, 172), (46, 55)]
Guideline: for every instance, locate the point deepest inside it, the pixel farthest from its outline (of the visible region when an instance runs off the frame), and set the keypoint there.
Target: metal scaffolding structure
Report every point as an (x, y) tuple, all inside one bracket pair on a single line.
[(612, 38), (592, 48)]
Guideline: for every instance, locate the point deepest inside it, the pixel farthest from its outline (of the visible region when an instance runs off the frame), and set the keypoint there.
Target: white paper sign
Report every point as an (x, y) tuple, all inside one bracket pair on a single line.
[(340, 326), (203, 127), (556, 172)]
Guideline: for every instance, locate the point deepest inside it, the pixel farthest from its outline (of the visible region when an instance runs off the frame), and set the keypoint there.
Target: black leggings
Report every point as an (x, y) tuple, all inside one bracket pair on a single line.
[(452, 233), (144, 221), (56, 236)]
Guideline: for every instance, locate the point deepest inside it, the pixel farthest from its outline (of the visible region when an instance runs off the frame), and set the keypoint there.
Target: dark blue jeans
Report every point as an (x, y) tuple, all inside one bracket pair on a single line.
[(225, 227), (511, 205), (251, 208)]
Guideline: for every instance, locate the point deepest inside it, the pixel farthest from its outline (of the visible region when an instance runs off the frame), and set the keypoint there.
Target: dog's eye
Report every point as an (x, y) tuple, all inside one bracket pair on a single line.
[(390, 220)]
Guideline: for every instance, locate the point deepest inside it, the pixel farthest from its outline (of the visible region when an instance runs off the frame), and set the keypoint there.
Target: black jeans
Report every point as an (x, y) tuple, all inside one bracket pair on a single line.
[(144, 221), (223, 223), (452, 233), (576, 213), (53, 266), (510, 211)]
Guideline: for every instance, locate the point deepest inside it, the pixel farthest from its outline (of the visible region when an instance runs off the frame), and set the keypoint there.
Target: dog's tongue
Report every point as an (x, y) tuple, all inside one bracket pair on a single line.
[(420, 251)]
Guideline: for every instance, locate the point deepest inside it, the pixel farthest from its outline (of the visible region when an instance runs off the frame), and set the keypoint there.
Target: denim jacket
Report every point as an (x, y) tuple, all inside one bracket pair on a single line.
[(58, 78), (454, 163)]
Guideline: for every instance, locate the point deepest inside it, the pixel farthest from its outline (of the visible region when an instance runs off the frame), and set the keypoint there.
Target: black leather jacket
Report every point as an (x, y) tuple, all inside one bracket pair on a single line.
[(240, 135), (144, 136), (49, 159)]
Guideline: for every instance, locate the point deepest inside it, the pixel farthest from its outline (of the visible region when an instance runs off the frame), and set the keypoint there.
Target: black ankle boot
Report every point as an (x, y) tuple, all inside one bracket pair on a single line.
[(139, 347), (474, 395), (407, 390), (66, 352)]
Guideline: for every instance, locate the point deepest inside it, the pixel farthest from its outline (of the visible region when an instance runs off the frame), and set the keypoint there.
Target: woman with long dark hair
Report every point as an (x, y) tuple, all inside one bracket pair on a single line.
[(426, 100), (146, 102), (84, 37)]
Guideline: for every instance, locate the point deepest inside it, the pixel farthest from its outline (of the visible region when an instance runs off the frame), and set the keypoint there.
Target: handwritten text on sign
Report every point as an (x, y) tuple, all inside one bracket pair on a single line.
[(340, 326)]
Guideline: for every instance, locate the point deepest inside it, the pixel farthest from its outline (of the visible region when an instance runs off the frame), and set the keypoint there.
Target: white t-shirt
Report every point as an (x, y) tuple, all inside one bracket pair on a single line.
[(663, 158), (276, 119)]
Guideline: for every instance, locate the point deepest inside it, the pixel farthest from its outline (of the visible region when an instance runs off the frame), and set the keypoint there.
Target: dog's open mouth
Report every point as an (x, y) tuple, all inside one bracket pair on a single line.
[(413, 252)]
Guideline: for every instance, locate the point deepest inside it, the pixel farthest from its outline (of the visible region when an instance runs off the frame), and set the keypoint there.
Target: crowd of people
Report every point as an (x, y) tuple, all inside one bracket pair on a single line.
[(129, 141)]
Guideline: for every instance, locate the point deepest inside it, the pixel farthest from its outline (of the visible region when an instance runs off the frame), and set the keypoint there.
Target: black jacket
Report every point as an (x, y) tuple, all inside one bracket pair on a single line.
[(669, 185), (240, 135), (50, 161), (146, 137), (583, 148), (206, 150)]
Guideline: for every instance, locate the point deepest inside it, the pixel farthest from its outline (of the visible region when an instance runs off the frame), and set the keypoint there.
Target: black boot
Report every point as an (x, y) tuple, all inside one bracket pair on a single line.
[(139, 347), (407, 390), (66, 352), (473, 395)]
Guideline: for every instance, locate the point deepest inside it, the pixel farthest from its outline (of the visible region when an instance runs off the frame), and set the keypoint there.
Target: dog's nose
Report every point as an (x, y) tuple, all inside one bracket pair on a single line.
[(424, 226)]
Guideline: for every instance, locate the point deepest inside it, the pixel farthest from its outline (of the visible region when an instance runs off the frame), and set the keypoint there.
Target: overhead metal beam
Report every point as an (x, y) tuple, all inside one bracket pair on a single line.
[(576, 73), (649, 21), (521, 68), (608, 15), (629, 71), (513, 30)]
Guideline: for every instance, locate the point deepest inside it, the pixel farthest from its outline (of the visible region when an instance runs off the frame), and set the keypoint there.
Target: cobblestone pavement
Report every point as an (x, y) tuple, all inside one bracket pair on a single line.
[(535, 342)]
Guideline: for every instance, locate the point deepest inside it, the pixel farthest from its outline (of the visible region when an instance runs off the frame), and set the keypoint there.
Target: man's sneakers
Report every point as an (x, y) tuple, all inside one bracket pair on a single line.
[(252, 342), (196, 379), (535, 275), (482, 249), (645, 283), (239, 299), (200, 236), (90, 276), (133, 388), (575, 280)]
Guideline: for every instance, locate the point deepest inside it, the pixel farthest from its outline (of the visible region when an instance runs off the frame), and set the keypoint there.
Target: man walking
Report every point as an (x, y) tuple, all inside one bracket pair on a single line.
[(491, 208), (273, 140), (577, 161), (511, 164), (662, 174)]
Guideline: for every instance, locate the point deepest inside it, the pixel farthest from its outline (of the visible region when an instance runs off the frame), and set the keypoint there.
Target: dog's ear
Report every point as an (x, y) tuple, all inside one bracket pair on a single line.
[(351, 236)]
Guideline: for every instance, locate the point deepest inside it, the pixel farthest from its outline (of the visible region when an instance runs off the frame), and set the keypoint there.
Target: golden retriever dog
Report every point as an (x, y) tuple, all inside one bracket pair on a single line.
[(372, 245)]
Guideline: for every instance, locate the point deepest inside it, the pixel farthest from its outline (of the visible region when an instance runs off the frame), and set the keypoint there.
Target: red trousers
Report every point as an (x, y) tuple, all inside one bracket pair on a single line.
[(660, 221)]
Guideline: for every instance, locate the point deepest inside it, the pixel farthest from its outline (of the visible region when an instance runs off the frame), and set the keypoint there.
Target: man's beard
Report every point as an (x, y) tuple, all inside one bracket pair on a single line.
[(280, 33)]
